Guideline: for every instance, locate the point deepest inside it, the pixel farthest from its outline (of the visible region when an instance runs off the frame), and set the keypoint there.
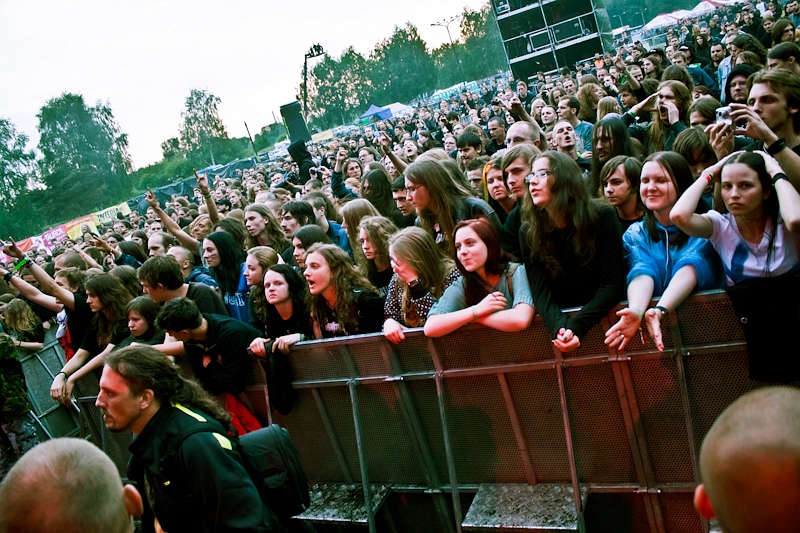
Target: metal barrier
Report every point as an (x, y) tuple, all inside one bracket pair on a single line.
[(438, 419), (485, 412)]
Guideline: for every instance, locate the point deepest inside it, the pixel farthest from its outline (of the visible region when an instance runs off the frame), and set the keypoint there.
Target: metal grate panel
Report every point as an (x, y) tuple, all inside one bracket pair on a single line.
[(484, 446), (679, 513), (714, 381), (661, 411), (616, 513), (475, 347), (318, 362), (310, 437), (385, 430), (708, 322), (538, 407), (602, 449), (369, 359), (413, 354), (423, 394)]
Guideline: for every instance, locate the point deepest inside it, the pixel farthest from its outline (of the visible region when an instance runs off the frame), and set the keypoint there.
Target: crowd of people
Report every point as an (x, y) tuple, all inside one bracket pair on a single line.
[(652, 173)]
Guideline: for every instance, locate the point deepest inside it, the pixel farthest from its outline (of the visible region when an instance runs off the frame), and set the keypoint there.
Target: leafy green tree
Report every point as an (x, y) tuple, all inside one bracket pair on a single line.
[(85, 163), (17, 168), (72, 135), (401, 67), (483, 53), (201, 121), (171, 148), (17, 174), (338, 88)]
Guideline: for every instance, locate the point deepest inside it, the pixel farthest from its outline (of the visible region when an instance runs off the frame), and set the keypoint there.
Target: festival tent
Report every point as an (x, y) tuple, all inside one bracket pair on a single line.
[(703, 7), (398, 109), (381, 113), (665, 19), (681, 14)]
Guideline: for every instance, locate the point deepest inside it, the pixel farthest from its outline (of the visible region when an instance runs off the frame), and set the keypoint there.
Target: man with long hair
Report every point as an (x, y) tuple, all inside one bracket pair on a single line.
[(185, 457)]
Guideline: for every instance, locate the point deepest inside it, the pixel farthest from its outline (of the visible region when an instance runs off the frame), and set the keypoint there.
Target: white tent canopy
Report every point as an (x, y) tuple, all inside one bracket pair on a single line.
[(703, 7), (665, 19)]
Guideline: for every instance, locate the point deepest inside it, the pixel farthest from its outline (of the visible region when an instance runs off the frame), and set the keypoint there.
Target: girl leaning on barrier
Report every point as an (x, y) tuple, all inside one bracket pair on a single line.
[(663, 260), (491, 291), (283, 315), (421, 275)]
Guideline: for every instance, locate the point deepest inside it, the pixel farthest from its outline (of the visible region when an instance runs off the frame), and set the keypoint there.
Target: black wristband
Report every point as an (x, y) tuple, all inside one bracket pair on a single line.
[(8, 276), (776, 147), (779, 176), (663, 310)]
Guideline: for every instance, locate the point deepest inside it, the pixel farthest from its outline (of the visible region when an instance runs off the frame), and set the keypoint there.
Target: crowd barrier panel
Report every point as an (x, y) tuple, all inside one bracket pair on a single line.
[(479, 413), (478, 428)]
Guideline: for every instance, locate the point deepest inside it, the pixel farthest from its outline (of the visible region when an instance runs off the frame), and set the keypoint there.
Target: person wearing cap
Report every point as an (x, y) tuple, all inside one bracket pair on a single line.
[(736, 86)]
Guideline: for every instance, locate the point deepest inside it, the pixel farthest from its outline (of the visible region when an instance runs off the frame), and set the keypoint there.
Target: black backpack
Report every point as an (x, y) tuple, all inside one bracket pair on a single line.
[(273, 459)]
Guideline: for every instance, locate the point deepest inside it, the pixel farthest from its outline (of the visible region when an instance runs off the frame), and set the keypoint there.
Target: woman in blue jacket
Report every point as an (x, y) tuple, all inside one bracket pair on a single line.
[(662, 260)]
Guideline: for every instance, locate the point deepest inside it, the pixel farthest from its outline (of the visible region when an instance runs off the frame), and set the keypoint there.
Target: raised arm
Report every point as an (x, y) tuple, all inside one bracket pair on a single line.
[(683, 214), (788, 197), (202, 184), (47, 283), (170, 225), (386, 148), (31, 293)]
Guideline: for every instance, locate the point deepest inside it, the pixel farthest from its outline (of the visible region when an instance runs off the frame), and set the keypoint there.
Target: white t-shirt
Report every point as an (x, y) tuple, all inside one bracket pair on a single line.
[(743, 260)]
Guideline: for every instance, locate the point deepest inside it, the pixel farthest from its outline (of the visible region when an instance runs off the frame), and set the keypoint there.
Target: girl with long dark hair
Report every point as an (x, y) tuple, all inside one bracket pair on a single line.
[(670, 105), (303, 239), (107, 298), (225, 260), (491, 291), (758, 236), (284, 315), (572, 249), (141, 313), (256, 264), (421, 275), (442, 202), (263, 229)]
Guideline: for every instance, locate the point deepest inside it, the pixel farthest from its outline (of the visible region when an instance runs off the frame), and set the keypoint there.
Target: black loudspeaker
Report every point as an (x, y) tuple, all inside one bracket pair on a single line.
[(292, 115)]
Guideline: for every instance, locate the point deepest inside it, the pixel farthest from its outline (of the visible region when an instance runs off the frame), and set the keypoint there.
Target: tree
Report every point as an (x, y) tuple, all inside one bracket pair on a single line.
[(85, 163), (17, 167), (17, 175), (72, 135), (482, 54), (401, 67), (201, 121), (338, 88)]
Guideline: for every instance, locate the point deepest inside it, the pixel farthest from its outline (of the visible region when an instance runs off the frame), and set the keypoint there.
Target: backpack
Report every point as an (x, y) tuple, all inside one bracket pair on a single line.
[(273, 459), (273, 463)]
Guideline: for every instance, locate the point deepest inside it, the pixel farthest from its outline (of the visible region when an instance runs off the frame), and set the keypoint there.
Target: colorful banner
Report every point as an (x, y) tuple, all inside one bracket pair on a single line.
[(76, 228), (110, 214)]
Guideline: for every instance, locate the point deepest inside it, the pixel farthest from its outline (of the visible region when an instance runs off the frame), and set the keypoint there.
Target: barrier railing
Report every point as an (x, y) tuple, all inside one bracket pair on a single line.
[(479, 407), (441, 420)]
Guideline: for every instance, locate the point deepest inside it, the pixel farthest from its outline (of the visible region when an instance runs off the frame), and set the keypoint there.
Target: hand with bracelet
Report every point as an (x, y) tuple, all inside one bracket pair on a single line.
[(58, 390), (630, 321)]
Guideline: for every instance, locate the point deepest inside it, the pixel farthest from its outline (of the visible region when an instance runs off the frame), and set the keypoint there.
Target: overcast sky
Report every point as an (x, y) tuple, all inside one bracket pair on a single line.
[(144, 57)]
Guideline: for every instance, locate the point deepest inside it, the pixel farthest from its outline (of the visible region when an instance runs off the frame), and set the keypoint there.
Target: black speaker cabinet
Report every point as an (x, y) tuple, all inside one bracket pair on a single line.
[(292, 115)]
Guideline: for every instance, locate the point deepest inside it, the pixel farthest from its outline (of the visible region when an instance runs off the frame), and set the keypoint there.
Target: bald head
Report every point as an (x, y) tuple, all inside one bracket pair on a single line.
[(66, 486), (523, 133), (750, 464)]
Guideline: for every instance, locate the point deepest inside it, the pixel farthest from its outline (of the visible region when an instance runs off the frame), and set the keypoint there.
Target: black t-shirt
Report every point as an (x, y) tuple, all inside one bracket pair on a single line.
[(381, 280), (78, 320), (206, 299), (91, 343), (369, 309), (227, 341)]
